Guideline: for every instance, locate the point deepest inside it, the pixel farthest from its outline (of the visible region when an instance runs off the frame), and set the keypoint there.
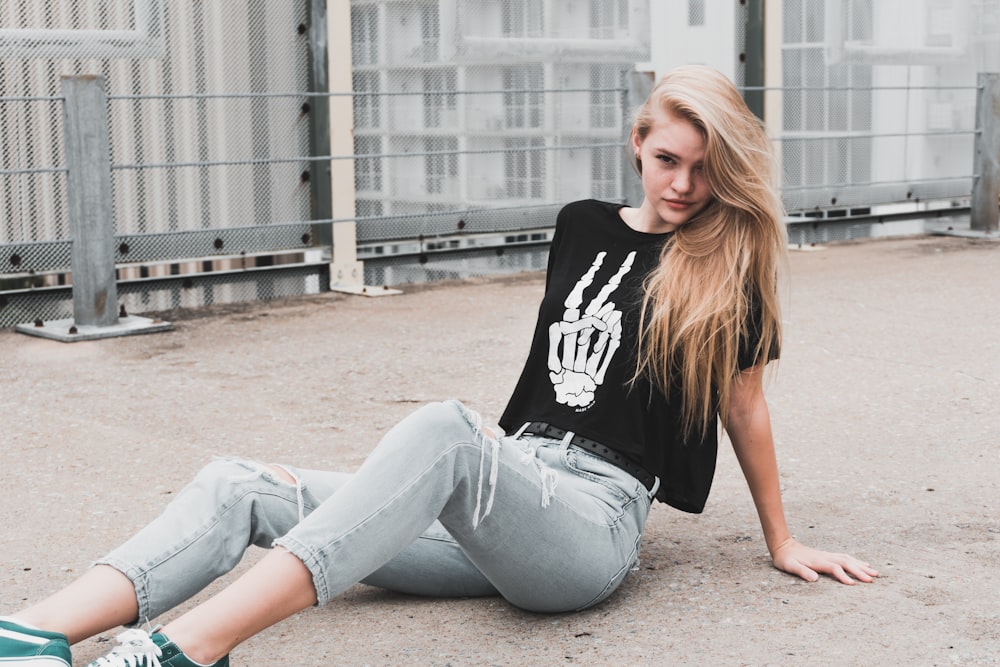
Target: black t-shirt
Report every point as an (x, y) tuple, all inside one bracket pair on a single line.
[(580, 368)]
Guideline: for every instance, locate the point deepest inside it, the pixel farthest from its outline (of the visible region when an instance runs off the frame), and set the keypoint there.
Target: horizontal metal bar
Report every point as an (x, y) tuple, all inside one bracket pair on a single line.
[(227, 272), (223, 163), (33, 99), (853, 215), (173, 278), (463, 211), (357, 156), (868, 135), (487, 151), (497, 91), (181, 246), (871, 88), (465, 222), (34, 170), (833, 186), (484, 242), (168, 247)]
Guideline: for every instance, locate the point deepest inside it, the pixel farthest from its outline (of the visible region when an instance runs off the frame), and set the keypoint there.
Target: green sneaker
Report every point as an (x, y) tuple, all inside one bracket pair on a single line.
[(23, 646), (138, 649)]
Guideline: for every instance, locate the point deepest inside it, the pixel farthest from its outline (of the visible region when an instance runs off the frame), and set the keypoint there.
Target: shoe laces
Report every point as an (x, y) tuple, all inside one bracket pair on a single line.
[(135, 649)]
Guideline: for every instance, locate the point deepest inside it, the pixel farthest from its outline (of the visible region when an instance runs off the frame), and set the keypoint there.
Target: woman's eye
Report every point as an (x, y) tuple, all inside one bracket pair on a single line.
[(666, 159)]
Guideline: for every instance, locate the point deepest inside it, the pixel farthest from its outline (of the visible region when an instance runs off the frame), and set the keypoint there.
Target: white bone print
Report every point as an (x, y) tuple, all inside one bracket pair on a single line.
[(581, 348)]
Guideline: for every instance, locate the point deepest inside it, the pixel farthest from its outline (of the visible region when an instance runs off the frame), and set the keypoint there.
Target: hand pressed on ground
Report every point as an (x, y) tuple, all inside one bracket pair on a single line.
[(795, 558)]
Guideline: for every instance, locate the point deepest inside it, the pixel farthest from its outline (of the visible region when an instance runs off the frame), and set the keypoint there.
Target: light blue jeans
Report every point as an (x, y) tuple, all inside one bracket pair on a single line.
[(439, 508)]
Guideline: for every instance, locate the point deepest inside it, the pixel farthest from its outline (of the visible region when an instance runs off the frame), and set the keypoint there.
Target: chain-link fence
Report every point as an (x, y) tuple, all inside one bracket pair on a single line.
[(210, 147), (468, 125)]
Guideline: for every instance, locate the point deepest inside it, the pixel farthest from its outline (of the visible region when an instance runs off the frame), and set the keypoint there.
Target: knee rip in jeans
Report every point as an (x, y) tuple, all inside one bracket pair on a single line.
[(275, 471)]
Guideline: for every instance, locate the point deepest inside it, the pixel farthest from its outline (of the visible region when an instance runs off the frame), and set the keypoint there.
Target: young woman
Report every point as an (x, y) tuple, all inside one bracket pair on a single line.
[(656, 325)]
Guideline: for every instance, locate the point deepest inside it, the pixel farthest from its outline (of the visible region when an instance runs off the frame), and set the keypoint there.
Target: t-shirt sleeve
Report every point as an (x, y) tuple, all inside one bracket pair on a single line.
[(748, 355)]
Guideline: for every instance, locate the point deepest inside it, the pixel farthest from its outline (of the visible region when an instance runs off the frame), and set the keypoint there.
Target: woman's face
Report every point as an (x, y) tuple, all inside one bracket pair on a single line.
[(673, 178)]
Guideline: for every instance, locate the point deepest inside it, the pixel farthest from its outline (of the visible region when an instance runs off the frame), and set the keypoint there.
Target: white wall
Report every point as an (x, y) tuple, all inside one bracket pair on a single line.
[(673, 42)]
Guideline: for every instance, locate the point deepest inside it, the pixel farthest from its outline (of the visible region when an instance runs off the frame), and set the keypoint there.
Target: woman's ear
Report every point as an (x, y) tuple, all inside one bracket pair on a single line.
[(636, 143), (636, 150)]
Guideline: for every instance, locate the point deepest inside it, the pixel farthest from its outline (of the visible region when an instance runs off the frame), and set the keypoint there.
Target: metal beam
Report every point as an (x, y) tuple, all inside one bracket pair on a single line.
[(88, 189), (754, 57), (985, 202), (321, 198), (91, 217)]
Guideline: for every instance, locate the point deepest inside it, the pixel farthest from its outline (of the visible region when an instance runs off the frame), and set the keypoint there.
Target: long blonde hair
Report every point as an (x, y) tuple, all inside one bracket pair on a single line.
[(721, 267)]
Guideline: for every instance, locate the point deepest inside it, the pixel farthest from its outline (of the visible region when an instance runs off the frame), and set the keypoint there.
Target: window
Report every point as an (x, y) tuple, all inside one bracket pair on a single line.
[(524, 168), (364, 35), (696, 12), (605, 96), (439, 96), (370, 208), (605, 167), (609, 19), (367, 102), (430, 32), (440, 164), (821, 100), (522, 99), (522, 18), (368, 164)]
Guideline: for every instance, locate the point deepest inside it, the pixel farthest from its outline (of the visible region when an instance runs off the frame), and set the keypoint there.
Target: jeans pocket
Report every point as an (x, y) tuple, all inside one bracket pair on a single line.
[(622, 487)]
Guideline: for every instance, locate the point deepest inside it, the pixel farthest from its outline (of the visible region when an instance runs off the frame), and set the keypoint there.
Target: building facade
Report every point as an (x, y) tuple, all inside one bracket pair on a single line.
[(486, 103)]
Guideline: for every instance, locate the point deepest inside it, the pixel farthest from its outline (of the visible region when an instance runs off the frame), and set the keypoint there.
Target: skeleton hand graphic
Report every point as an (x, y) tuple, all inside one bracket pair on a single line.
[(581, 348)]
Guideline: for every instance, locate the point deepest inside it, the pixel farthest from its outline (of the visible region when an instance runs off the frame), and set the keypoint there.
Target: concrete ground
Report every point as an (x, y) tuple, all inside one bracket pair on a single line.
[(884, 408)]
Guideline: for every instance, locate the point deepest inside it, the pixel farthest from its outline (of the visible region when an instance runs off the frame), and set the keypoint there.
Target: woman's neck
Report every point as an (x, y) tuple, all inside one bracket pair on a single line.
[(644, 219)]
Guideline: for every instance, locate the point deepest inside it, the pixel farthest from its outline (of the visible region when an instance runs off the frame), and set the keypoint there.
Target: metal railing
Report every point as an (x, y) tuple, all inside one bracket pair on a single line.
[(207, 260)]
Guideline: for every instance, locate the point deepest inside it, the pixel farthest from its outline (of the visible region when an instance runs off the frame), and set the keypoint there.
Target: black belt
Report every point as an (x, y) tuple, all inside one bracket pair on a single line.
[(606, 453)]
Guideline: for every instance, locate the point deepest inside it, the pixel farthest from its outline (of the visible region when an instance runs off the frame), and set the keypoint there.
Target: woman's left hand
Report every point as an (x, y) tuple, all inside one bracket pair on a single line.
[(809, 563)]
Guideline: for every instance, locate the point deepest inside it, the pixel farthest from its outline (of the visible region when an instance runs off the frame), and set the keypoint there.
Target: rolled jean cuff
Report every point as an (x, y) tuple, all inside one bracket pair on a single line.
[(312, 562), (132, 573)]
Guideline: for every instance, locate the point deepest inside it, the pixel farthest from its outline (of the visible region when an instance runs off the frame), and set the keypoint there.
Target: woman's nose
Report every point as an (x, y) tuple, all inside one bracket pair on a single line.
[(682, 182)]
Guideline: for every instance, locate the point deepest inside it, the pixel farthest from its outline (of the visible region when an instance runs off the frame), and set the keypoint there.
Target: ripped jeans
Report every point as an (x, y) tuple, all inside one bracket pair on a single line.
[(439, 508)]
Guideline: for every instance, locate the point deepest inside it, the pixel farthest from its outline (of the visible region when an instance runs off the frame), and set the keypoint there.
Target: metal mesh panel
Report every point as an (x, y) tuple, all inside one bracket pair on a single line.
[(864, 122), (32, 179), (34, 257), (199, 139), (20, 307), (208, 123), (200, 136), (191, 291), (238, 241)]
